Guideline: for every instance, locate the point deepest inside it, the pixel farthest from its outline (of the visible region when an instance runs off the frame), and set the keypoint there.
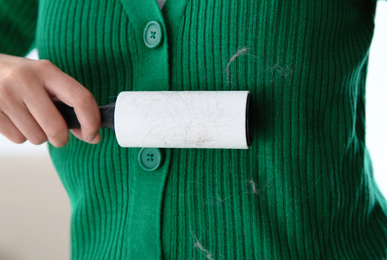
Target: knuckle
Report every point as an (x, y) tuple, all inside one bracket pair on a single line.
[(37, 139), (17, 138), (57, 134), (57, 131), (84, 98), (11, 75), (15, 80), (44, 64), (60, 143)]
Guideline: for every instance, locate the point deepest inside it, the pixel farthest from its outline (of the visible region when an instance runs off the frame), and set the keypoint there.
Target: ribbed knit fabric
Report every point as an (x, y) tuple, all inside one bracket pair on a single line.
[(17, 25), (304, 189)]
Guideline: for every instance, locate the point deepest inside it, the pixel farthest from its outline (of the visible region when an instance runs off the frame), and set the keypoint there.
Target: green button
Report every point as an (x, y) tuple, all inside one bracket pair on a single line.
[(153, 35), (149, 159)]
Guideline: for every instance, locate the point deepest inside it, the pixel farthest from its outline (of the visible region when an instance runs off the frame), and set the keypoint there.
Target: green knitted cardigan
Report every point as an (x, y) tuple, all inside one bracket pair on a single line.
[(304, 189)]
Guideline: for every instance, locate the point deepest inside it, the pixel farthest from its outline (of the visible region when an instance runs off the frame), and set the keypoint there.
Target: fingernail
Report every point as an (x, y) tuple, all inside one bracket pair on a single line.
[(91, 138), (96, 139)]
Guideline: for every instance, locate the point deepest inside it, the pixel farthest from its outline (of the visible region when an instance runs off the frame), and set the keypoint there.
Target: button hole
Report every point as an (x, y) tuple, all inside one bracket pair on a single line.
[(149, 157)]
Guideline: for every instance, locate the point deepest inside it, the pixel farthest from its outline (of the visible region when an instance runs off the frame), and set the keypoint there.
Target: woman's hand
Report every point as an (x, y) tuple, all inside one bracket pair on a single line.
[(27, 88)]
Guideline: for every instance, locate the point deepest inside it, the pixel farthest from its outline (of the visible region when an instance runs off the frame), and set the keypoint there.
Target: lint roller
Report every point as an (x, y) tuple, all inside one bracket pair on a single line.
[(175, 119)]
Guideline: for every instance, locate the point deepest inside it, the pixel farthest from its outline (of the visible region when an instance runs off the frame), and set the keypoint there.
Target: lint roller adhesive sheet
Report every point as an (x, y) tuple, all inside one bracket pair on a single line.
[(182, 119), (179, 119)]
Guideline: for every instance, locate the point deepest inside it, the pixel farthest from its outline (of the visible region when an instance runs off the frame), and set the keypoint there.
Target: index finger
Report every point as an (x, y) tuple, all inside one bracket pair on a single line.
[(71, 92)]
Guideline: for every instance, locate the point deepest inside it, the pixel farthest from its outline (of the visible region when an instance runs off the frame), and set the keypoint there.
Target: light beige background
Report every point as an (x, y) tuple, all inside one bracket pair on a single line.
[(35, 210)]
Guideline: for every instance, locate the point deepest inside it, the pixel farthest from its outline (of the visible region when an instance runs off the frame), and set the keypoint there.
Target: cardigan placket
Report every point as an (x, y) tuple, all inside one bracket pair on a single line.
[(147, 188)]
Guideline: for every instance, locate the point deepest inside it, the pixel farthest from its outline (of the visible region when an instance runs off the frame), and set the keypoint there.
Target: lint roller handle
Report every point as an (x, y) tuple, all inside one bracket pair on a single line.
[(68, 113)]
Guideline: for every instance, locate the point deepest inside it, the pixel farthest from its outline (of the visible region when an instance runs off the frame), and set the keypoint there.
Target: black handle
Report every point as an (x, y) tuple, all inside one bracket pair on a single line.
[(68, 113)]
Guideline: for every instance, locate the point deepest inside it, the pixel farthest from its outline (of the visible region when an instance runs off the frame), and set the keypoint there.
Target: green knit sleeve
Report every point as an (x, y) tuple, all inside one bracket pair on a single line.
[(17, 26)]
